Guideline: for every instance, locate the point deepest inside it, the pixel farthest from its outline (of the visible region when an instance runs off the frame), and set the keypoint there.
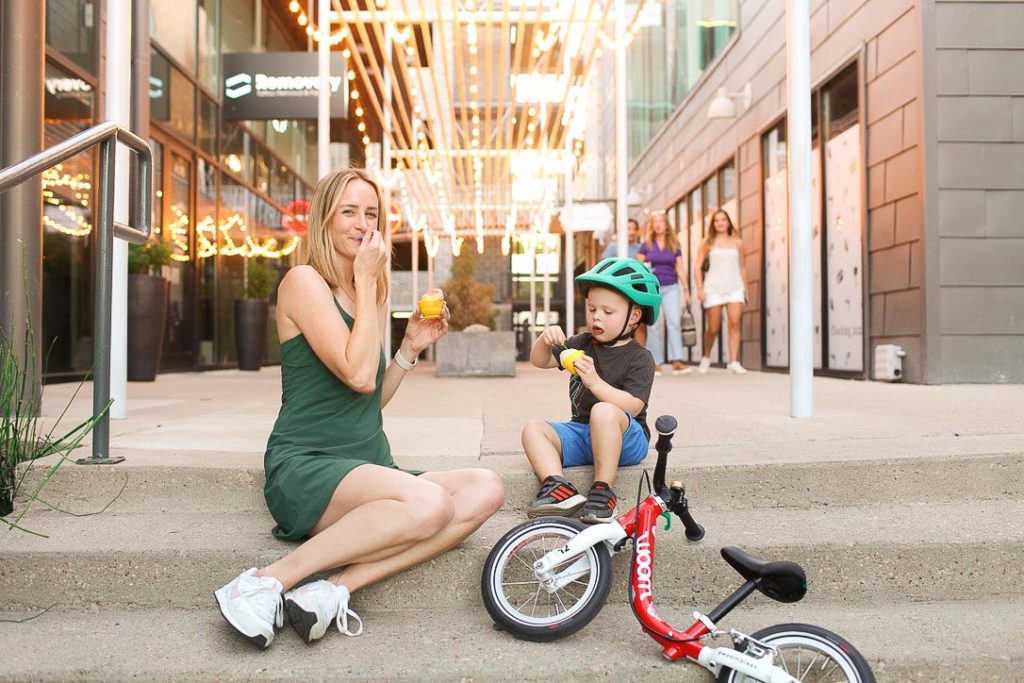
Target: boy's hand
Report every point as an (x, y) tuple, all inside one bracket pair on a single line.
[(553, 336), (587, 372)]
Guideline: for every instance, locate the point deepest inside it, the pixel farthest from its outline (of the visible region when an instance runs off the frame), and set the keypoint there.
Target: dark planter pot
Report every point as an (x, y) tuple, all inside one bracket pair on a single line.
[(250, 332), (147, 316)]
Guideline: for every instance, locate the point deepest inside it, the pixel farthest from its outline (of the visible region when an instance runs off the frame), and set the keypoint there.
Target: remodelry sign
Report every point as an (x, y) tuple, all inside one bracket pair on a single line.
[(280, 85)]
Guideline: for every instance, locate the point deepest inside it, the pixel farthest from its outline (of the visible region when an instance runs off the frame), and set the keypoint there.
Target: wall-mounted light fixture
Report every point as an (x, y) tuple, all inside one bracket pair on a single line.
[(724, 107)]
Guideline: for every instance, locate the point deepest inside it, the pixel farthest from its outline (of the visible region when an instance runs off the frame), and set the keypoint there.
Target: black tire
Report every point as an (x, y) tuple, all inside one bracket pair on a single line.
[(848, 664), (565, 611)]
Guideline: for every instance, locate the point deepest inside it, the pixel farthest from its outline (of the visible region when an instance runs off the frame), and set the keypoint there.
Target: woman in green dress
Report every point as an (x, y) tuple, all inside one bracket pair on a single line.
[(329, 473)]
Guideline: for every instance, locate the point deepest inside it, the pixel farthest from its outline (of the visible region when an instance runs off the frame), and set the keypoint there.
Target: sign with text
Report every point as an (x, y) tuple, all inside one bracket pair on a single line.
[(280, 85)]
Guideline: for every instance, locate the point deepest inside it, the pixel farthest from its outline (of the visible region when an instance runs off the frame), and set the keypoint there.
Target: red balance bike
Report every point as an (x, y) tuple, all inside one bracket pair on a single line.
[(547, 578)]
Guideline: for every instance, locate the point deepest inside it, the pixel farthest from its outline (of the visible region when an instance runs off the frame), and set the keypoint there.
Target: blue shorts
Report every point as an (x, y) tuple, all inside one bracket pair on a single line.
[(577, 449)]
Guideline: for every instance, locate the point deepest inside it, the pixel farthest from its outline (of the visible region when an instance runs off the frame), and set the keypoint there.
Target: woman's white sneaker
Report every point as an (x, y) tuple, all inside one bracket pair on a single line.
[(735, 368), (312, 606), (252, 605), (705, 363)]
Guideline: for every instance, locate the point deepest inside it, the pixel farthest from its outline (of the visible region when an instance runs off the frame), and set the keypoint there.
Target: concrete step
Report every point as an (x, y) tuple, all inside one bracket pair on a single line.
[(854, 555), (903, 641), (227, 481)]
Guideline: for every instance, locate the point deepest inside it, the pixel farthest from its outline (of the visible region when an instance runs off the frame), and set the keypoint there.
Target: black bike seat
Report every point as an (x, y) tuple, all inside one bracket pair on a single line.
[(782, 581)]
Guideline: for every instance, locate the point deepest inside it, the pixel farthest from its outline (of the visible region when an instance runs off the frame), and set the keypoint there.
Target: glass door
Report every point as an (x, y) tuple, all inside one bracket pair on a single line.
[(179, 342)]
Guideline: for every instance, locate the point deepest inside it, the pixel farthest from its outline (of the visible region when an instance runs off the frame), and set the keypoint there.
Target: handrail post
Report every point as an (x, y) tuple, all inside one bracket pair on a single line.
[(102, 306), (106, 135)]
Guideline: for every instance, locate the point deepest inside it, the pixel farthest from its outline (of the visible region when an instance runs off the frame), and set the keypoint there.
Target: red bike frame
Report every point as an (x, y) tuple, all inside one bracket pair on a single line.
[(642, 522)]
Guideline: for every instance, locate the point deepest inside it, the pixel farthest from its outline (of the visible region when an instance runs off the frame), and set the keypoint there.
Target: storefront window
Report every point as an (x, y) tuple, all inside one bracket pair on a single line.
[(676, 42), (69, 194), (234, 150), (238, 26), (208, 41), (837, 249), (843, 226), (234, 214), (206, 254), (172, 25), (71, 30), (172, 97), (208, 125)]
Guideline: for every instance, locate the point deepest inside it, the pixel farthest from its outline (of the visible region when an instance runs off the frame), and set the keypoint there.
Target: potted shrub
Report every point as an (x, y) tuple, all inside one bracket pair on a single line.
[(251, 314), (471, 348), (147, 308)]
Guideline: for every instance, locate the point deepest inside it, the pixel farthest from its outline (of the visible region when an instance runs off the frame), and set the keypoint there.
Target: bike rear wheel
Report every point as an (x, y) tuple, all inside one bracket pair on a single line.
[(810, 654), (515, 598)]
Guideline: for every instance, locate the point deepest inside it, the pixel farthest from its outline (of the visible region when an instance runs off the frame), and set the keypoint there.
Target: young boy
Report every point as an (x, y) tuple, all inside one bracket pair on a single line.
[(608, 390)]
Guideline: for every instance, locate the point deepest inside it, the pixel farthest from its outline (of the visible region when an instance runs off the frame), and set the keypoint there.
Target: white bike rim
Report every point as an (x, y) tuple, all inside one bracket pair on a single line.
[(812, 642), (498, 584)]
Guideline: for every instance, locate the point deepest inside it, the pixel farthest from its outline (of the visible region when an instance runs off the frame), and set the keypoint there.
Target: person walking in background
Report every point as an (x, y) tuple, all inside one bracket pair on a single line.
[(633, 235), (721, 285), (660, 250)]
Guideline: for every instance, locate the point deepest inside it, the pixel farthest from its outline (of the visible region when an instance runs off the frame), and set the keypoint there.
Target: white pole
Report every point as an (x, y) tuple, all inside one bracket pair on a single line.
[(385, 165), (415, 266), (547, 283), (621, 153), (118, 108), (323, 109), (533, 290), (570, 245), (798, 131)]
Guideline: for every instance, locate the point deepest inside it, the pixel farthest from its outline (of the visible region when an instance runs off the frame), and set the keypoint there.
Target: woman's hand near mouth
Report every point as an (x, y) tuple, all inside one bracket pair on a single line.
[(371, 258)]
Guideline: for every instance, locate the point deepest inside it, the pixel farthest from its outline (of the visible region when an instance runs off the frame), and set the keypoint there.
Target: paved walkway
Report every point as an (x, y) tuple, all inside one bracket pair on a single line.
[(724, 419)]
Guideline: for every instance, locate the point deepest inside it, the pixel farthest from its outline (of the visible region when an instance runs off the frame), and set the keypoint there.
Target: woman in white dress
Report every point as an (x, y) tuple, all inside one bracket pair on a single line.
[(722, 286)]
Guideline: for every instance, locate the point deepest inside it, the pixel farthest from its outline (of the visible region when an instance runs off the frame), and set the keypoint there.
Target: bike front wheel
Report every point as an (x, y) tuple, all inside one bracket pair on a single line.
[(519, 603), (810, 654)]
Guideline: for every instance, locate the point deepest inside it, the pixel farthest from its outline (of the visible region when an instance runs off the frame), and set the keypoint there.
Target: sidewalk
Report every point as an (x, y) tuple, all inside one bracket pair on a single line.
[(444, 423), (902, 503)]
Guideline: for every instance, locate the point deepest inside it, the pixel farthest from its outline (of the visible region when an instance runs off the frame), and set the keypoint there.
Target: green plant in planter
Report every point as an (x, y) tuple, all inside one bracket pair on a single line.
[(148, 258), (21, 439), (260, 281), (469, 302)]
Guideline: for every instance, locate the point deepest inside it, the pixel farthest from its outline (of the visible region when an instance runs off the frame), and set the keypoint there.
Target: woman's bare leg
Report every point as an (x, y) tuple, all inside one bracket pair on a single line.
[(734, 311), (400, 508), (714, 315), (475, 494)]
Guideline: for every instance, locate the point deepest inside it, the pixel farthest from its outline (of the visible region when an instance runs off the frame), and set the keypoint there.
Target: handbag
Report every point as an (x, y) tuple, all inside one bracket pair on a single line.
[(689, 328)]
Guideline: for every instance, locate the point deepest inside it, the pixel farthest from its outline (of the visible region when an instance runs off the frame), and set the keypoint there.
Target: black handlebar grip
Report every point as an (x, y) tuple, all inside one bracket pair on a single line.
[(666, 428), (694, 531)]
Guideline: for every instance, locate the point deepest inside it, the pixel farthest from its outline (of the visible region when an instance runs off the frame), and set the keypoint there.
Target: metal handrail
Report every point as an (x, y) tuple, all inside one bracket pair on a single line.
[(106, 135)]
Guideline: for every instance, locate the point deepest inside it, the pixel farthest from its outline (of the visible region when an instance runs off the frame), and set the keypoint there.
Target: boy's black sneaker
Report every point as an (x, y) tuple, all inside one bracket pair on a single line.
[(556, 497), (600, 505)]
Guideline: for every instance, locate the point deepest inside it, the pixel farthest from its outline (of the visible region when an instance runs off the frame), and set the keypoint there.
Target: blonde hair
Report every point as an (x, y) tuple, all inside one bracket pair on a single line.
[(671, 239), (326, 199)]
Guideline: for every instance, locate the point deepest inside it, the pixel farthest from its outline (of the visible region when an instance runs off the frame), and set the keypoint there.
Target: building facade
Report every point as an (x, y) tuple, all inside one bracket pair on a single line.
[(918, 124), (219, 185)]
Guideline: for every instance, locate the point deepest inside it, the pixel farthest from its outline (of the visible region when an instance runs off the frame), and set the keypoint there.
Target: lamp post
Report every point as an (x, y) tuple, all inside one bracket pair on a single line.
[(798, 129)]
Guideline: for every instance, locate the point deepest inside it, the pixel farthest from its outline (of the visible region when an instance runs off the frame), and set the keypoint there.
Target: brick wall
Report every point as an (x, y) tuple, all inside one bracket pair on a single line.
[(977, 218), (690, 146)]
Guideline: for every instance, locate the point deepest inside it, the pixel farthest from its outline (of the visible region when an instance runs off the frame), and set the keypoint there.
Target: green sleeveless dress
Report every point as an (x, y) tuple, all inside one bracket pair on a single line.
[(325, 430)]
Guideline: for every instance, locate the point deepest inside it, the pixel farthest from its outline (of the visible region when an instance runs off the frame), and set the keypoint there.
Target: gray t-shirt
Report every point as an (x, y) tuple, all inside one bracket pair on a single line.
[(629, 367)]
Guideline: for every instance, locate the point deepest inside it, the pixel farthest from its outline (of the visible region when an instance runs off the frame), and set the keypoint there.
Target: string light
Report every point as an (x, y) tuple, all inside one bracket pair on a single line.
[(206, 240)]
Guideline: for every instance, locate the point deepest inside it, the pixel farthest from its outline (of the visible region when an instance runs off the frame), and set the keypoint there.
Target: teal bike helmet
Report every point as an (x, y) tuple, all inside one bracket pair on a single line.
[(628, 277)]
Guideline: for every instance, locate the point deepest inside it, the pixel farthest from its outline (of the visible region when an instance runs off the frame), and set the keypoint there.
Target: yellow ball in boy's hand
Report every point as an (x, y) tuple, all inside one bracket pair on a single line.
[(431, 304), (568, 358)]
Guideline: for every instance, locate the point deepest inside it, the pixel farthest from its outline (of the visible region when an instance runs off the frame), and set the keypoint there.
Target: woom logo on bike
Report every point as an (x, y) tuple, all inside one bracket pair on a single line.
[(643, 565)]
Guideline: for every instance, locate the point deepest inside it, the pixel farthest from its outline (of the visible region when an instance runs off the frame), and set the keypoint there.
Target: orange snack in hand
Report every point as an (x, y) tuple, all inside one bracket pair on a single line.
[(431, 304)]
